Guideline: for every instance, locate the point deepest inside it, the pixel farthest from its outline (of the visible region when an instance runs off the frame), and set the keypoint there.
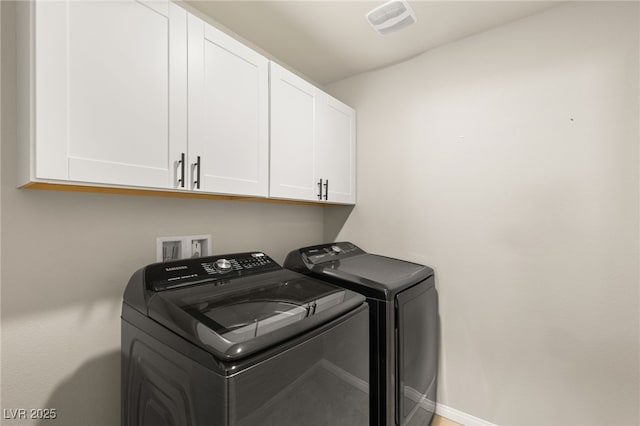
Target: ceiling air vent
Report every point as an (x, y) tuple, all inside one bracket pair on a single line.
[(391, 16)]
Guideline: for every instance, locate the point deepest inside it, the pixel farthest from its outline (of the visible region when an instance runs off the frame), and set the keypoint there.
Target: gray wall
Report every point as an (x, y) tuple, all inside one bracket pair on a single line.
[(509, 162), (66, 258)]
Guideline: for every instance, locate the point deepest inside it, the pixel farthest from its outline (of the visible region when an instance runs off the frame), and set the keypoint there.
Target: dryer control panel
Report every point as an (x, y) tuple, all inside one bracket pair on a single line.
[(179, 273), (329, 252)]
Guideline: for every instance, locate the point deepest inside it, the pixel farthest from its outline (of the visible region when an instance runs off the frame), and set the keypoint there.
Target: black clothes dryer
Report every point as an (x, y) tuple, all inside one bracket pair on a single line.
[(404, 326), (236, 340)]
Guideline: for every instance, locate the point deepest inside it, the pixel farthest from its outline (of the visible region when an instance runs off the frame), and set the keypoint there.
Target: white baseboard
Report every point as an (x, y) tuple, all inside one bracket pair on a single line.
[(460, 417)]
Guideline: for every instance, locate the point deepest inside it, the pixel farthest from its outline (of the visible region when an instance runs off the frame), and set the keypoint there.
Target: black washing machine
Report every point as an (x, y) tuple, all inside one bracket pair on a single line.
[(236, 340), (404, 326)]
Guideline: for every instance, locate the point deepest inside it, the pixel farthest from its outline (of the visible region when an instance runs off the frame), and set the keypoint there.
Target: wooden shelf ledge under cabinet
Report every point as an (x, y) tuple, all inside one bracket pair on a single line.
[(163, 193)]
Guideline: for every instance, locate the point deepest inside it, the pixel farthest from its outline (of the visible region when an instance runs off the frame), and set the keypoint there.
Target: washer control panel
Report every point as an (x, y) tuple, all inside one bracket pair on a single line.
[(169, 275), (255, 262)]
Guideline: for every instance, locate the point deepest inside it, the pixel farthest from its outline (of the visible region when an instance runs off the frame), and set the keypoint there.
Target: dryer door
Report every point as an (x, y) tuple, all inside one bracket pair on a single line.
[(417, 336)]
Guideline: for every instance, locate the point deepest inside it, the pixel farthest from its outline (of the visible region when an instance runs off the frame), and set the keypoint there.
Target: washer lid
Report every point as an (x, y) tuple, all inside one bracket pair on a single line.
[(250, 314), (255, 312)]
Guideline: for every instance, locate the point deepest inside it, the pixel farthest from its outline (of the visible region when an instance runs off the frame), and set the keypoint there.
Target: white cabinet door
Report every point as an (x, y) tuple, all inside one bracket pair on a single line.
[(336, 149), (228, 113), (110, 91), (312, 142), (293, 106)]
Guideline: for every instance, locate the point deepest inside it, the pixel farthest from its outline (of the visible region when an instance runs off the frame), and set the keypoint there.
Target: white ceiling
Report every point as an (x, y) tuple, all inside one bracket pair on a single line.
[(331, 40)]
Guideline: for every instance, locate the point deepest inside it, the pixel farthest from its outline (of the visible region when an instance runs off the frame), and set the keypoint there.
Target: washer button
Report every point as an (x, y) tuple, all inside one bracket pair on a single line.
[(223, 265)]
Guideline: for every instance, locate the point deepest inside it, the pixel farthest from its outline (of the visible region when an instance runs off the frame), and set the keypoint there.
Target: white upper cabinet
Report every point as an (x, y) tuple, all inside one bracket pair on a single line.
[(142, 94), (312, 142), (336, 149), (107, 91), (293, 106), (228, 113)]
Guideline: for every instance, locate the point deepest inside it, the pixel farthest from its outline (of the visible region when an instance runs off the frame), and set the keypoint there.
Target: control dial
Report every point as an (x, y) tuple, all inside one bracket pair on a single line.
[(336, 249), (223, 265)]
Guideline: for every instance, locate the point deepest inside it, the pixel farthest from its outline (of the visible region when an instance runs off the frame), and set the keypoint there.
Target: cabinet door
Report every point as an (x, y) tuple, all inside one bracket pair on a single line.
[(110, 91), (228, 113), (336, 149), (293, 106)]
